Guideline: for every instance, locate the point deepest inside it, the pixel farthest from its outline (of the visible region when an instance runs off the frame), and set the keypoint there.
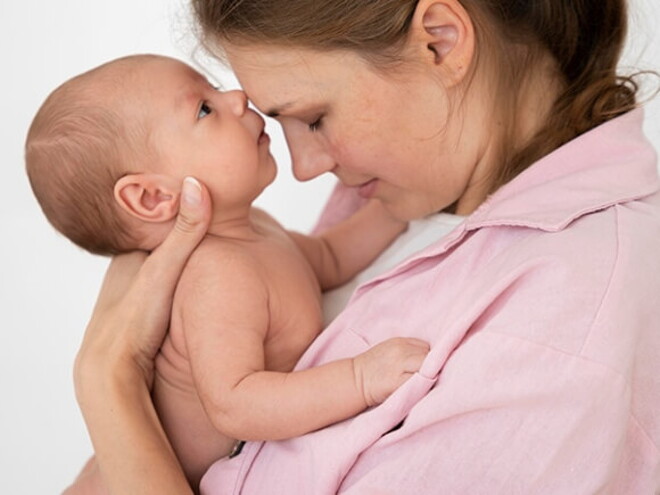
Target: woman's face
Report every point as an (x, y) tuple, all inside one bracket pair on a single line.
[(388, 135)]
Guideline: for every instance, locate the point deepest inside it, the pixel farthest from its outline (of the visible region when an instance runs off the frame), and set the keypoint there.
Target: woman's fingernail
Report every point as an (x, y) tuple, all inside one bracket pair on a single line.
[(191, 191)]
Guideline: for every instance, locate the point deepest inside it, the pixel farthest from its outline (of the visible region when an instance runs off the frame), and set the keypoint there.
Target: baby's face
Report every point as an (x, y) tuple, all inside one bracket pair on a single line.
[(211, 135)]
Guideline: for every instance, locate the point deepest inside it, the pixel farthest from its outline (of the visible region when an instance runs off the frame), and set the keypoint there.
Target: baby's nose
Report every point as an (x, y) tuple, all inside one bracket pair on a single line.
[(237, 100)]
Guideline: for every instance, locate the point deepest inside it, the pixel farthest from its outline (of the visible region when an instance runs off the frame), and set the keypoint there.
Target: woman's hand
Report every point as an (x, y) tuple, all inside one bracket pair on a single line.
[(132, 312), (113, 373)]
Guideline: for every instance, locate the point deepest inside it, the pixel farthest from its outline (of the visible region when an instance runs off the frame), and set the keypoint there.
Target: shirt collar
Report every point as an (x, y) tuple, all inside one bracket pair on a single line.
[(611, 164)]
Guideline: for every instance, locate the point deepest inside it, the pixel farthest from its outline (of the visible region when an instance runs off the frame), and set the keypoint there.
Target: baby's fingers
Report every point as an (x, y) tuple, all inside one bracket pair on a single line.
[(416, 344), (414, 352), (386, 366)]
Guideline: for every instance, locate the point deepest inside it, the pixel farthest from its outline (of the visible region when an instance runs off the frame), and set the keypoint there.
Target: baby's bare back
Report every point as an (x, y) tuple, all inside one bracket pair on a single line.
[(291, 299)]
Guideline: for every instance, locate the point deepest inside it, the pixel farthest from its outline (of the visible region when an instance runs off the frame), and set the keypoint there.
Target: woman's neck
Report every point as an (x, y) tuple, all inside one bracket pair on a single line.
[(503, 126)]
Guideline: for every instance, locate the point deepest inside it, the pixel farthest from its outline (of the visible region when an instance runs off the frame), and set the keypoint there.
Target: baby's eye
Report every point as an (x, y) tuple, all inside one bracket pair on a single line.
[(204, 110)]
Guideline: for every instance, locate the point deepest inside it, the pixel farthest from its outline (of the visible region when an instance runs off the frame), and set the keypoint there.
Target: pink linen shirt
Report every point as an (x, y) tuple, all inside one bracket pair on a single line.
[(543, 312)]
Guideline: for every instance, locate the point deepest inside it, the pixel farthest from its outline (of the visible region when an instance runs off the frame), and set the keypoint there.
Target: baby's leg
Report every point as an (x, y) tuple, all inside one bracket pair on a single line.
[(88, 482)]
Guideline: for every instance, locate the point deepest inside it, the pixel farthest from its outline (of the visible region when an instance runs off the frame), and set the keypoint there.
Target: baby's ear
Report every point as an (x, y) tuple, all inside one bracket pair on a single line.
[(148, 197)]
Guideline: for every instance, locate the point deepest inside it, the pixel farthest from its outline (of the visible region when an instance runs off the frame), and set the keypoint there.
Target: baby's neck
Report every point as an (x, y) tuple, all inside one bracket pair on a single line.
[(237, 225)]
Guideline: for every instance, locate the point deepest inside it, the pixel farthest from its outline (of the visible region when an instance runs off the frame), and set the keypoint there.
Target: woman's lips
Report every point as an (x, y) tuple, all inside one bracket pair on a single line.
[(367, 189)]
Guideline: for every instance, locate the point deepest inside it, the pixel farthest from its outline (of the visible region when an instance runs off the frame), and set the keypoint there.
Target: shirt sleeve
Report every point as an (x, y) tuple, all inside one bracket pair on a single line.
[(342, 203)]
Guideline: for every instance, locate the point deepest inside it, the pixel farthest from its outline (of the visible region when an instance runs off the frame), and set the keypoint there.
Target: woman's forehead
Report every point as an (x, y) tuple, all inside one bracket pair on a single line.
[(279, 78)]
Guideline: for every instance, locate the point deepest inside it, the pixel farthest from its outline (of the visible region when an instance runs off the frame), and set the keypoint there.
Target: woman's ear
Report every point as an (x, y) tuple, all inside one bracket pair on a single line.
[(442, 31), (148, 197)]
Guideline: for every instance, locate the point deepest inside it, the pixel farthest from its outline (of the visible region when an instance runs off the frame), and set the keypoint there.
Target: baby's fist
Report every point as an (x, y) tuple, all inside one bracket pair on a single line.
[(386, 366)]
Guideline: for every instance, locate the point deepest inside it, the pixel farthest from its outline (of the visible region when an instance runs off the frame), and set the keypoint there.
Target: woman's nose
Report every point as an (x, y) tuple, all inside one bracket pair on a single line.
[(309, 158), (237, 101)]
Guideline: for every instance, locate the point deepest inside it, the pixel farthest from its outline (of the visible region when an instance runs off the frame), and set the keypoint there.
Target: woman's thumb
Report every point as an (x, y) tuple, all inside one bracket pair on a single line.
[(189, 229), (194, 212)]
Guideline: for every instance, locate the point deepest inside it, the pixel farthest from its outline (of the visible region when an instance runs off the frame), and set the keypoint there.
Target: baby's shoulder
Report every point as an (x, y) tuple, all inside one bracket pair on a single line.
[(216, 253), (218, 271), (262, 216), (267, 224), (217, 262)]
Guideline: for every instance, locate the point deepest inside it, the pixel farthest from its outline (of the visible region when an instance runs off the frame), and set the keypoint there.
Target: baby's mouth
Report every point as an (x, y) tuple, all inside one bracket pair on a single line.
[(263, 137)]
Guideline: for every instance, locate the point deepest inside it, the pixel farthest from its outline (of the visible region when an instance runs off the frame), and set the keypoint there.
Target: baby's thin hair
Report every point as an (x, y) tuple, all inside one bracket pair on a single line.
[(75, 152)]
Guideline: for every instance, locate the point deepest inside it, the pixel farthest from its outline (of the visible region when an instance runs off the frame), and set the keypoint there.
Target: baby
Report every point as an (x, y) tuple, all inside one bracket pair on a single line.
[(106, 156)]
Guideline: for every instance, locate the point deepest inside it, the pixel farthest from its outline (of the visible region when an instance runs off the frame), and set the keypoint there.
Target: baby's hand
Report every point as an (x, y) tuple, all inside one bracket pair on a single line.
[(386, 366)]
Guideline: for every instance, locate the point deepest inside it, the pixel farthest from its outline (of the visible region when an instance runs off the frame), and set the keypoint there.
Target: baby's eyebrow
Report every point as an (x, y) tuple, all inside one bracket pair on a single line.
[(183, 99)]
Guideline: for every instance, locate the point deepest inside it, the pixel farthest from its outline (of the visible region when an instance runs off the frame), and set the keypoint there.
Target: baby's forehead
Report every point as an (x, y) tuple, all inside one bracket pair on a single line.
[(132, 72), (136, 88), (125, 82), (159, 76), (101, 86)]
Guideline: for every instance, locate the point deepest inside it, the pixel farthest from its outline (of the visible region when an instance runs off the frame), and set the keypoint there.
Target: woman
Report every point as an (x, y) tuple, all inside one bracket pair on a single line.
[(541, 306)]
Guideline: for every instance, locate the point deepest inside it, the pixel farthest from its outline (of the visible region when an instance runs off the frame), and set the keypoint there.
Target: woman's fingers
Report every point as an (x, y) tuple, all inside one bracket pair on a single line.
[(118, 278)]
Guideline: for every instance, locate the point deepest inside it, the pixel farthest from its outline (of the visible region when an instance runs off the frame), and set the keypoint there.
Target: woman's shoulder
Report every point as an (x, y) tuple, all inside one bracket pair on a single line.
[(582, 290), (617, 236)]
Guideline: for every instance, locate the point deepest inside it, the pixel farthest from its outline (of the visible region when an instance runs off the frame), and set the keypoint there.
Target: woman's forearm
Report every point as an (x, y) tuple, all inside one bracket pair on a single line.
[(132, 449), (114, 367)]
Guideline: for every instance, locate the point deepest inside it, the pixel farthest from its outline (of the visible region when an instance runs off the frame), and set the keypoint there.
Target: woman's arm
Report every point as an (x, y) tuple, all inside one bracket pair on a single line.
[(131, 448), (114, 367)]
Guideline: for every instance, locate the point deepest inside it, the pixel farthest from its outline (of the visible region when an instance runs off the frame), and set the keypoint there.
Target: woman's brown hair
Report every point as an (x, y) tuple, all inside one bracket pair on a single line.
[(584, 37)]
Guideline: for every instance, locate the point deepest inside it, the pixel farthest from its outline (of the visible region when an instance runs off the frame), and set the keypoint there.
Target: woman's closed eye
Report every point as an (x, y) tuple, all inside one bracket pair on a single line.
[(316, 125), (204, 110)]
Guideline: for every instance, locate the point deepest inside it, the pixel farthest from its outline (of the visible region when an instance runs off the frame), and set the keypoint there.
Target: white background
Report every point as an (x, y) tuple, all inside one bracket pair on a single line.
[(47, 287)]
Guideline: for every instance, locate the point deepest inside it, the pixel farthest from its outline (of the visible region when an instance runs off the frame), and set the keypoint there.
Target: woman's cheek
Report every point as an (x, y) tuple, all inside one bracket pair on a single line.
[(346, 150)]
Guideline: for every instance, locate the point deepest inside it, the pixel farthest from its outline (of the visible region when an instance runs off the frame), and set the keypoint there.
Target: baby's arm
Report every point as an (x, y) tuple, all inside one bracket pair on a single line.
[(226, 318), (342, 251)]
